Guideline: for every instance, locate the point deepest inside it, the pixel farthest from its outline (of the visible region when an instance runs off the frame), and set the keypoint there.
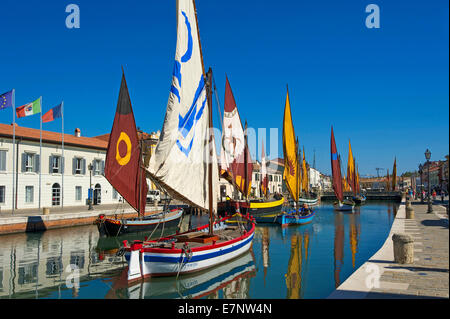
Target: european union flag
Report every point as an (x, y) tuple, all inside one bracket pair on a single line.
[(6, 100)]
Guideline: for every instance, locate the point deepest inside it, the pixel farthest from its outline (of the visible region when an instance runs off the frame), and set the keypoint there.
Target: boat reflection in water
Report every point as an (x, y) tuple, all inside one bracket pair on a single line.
[(230, 280)]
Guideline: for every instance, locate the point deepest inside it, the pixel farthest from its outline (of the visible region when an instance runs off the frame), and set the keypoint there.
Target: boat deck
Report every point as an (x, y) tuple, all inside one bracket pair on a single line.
[(199, 238)]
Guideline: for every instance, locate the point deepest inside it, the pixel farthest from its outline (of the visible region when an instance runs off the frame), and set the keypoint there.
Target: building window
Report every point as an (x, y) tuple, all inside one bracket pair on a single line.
[(114, 193), (78, 193), (99, 167), (2, 161), (2, 194), (29, 160), (79, 166), (29, 194), (56, 194), (55, 164)]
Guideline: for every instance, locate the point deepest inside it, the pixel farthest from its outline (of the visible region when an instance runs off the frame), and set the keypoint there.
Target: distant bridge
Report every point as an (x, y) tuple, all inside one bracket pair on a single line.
[(370, 195)]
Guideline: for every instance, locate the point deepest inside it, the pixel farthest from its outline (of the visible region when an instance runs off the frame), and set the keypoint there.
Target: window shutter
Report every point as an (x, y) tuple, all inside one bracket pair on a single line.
[(50, 164), (2, 160), (83, 165), (103, 168), (61, 165), (24, 160), (37, 163), (74, 165)]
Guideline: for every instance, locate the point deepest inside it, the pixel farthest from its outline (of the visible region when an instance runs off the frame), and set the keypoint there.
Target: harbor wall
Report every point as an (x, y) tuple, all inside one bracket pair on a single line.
[(34, 223)]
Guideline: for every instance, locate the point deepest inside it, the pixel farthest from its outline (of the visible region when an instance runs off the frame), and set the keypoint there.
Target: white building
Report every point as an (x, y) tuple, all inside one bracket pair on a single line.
[(275, 182), (64, 180), (315, 182)]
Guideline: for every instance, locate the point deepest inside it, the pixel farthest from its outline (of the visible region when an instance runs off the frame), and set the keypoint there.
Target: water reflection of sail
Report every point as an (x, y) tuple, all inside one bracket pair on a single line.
[(233, 278), (265, 251), (354, 235), (293, 276), (338, 248)]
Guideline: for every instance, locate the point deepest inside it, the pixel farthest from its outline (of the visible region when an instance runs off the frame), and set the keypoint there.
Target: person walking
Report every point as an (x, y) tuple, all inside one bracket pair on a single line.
[(442, 195)]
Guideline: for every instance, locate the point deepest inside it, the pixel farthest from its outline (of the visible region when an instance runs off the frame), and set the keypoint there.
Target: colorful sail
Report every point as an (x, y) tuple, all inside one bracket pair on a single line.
[(180, 162), (233, 147), (123, 156), (358, 185), (291, 174), (388, 183), (264, 179), (305, 182), (351, 169), (394, 175), (336, 169)]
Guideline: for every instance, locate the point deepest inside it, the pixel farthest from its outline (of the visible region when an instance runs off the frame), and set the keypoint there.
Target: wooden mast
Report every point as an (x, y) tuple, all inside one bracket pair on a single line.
[(245, 165), (211, 149), (208, 78)]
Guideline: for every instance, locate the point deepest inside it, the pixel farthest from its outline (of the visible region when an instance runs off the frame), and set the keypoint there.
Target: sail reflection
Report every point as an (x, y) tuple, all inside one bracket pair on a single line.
[(338, 247), (297, 265)]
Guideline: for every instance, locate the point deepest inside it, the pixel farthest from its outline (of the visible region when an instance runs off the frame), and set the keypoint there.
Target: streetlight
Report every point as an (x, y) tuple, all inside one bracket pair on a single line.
[(421, 183), (90, 187), (427, 157)]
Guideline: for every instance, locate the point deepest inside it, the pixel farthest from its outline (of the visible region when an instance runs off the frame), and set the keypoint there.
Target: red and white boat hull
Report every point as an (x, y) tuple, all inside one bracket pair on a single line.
[(151, 262)]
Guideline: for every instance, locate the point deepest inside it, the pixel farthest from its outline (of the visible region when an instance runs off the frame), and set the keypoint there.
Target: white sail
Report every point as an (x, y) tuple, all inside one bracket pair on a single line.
[(180, 161)]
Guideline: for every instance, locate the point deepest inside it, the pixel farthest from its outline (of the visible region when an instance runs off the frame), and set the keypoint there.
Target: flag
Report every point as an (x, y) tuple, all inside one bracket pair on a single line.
[(123, 156), (6, 100), (52, 114), (29, 109), (290, 153)]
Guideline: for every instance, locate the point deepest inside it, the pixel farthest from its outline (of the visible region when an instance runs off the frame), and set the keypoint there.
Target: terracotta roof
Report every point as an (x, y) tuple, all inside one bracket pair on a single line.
[(32, 134)]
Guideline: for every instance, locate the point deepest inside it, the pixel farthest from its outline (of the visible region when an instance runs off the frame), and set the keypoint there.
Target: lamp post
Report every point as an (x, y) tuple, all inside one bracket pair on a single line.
[(421, 183), (90, 187), (427, 157)]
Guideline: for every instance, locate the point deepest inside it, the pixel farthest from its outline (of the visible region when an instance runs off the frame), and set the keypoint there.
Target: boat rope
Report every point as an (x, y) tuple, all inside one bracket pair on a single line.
[(185, 251)]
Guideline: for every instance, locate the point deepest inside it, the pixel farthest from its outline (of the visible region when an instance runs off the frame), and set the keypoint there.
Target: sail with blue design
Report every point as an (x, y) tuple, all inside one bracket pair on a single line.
[(180, 161)]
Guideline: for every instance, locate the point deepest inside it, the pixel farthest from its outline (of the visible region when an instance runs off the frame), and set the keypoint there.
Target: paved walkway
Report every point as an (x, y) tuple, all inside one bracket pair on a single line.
[(427, 277), (59, 210)]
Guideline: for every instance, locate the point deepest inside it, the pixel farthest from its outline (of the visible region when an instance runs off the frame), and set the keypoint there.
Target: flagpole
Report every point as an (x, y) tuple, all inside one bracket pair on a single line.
[(40, 154), (62, 160), (14, 145)]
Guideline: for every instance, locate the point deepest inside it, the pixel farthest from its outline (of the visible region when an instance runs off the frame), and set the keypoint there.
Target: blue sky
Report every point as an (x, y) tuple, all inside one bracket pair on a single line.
[(384, 89)]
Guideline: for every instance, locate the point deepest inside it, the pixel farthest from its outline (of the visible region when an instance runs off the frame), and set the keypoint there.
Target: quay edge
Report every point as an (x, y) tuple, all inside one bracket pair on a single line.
[(39, 222)]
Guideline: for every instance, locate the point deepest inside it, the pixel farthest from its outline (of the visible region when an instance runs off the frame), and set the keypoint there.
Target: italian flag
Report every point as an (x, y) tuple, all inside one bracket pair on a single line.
[(29, 109)]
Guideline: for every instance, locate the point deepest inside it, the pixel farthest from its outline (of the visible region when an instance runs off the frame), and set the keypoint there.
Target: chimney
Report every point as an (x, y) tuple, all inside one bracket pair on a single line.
[(77, 132)]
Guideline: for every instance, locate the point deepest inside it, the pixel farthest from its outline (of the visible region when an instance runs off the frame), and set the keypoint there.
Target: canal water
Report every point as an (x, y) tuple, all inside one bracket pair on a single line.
[(298, 261)]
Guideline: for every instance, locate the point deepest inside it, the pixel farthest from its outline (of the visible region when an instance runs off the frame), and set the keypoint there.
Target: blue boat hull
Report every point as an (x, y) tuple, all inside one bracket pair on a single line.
[(290, 219)]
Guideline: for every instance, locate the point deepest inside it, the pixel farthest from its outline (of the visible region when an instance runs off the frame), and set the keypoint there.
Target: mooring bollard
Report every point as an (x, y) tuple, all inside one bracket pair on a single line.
[(403, 248), (409, 212), (46, 210)]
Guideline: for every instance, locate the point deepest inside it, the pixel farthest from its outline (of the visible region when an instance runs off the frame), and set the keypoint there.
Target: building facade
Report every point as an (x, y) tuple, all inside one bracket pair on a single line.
[(45, 177)]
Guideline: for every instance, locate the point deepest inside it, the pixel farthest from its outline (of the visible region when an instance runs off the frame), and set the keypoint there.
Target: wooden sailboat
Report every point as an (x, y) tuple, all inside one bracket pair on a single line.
[(307, 196), (352, 178), (340, 204), (236, 165), (123, 170), (185, 165), (292, 175)]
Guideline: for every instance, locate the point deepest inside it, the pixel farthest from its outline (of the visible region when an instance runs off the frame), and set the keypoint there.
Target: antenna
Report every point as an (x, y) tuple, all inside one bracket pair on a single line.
[(314, 160), (378, 170)]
